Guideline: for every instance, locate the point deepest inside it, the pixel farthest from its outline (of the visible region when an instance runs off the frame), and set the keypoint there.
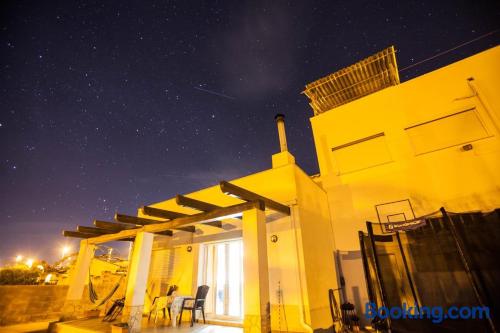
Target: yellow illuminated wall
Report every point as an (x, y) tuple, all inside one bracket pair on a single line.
[(407, 142), (300, 263)]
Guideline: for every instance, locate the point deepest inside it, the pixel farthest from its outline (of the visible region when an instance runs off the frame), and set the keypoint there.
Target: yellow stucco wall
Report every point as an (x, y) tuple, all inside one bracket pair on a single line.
[(300, 263), (422, 163)]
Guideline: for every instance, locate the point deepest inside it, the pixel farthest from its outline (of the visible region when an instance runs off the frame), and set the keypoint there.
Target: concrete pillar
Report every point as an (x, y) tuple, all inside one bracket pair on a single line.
[(137, 281), (73, 306), (256, 287)]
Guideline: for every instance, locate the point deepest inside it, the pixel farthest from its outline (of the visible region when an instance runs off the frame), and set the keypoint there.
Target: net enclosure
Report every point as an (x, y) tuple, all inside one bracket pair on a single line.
[(448, 260), (367, 76)]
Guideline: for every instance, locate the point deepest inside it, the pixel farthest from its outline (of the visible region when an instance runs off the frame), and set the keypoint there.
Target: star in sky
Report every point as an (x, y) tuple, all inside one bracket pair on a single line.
[(133, 103)]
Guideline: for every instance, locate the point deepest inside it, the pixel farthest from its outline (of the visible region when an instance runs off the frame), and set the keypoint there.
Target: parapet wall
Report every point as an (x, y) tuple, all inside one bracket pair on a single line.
[(21, 304)]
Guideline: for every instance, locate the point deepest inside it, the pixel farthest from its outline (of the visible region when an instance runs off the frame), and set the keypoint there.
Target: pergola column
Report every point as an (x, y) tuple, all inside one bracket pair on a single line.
[(73, 303), (256, 287), (137, 279)]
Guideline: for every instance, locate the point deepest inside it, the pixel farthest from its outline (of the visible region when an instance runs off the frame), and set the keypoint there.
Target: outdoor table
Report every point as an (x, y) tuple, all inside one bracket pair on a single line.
[(175, 308)]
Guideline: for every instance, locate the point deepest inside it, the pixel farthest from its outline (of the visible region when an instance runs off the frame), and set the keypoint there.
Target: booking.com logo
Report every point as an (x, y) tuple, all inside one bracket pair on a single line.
[(436, 313)]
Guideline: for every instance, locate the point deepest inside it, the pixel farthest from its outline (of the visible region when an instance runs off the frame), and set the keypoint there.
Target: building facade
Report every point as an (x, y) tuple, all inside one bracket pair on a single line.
[(272, 248)]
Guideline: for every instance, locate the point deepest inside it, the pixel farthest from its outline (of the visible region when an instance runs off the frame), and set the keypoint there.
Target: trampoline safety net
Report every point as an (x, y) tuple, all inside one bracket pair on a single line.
[(450, 259)]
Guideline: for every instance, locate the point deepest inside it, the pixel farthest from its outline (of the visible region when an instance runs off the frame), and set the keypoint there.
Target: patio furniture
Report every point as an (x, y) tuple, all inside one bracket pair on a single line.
[(196, 303), (115, 310), (160, 303)]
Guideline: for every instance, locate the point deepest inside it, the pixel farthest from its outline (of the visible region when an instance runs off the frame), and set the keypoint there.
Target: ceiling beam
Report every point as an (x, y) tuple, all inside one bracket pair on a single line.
[(215, 224), (190, 228), (76, 234), (117, 227), (92, 230), (142, 221), (161, 213), (135, 220), (215, 215), (246, 195), (113, 226), (203, 206)]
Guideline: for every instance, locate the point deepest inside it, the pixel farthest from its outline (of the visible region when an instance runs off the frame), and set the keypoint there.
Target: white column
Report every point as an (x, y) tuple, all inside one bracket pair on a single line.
[(256, 286), (73, 306), (137, 281)]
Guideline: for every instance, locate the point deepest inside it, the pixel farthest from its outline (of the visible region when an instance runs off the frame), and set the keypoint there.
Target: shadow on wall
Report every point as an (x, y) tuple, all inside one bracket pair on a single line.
[(352, 274)]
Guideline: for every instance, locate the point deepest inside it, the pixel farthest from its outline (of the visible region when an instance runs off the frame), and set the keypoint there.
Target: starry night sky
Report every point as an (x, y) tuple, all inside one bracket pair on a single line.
[(109, 105)]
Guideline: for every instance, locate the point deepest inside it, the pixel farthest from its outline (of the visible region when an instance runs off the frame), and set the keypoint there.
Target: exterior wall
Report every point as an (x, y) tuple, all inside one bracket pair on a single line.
[(425, 164), (318, 248), (22, 304), (296, 269)]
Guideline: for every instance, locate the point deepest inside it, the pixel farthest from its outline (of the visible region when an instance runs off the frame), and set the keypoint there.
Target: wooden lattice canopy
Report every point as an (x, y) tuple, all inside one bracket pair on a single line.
[(367, 76)]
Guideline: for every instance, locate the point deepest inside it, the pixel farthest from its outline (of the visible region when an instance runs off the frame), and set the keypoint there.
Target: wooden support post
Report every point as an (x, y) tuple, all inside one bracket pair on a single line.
[(255, 269), (73, 306), (137, 281)]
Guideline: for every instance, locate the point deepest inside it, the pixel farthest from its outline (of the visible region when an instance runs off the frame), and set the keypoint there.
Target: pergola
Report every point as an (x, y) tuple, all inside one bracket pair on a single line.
[(141, 230)]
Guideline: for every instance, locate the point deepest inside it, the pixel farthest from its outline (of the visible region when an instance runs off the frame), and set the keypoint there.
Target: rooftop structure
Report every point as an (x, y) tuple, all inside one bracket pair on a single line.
[(367, 76)]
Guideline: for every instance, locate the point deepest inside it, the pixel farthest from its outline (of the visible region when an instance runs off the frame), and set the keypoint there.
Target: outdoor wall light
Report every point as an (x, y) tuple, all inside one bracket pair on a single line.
[(189, 248), (467, 147), (274, 238)]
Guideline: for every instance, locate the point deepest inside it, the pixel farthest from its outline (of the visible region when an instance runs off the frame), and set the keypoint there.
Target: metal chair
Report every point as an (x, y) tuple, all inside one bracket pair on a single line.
[(197, 303)]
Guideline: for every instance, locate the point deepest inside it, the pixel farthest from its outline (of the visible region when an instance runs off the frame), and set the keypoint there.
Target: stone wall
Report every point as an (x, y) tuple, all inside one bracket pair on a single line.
[(20, 304)]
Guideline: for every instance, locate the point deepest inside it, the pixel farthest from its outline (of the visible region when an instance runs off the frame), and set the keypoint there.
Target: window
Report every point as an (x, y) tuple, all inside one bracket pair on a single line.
[(361, 154), (448, 131), (222, 269)]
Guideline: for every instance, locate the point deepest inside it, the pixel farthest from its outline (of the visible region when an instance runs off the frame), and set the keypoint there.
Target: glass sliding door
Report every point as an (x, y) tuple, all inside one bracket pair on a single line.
[(222, 270)]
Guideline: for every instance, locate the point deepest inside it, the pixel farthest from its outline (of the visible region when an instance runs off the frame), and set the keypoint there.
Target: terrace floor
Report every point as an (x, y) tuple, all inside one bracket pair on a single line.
[(96, 325)]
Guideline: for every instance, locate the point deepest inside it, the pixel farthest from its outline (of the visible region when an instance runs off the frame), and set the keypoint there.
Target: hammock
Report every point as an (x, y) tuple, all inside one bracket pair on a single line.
[(93, 294)]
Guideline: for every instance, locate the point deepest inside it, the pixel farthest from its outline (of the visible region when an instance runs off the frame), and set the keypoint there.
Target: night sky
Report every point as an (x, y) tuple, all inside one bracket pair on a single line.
[(106, 106)]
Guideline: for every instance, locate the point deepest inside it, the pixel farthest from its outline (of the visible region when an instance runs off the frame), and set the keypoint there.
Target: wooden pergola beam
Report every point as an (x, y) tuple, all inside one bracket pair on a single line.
[(169, 233), (189, 228), (117, 227), (215, 224), (215, 215), (161, 213), (134, 219), (76, 234), (92, 230), (243, 194), (203, 206), (142, 221), (113, 226)]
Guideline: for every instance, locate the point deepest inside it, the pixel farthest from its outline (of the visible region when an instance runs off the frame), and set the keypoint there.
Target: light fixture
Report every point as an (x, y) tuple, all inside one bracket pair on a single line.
[(29, 262), (65, 250)]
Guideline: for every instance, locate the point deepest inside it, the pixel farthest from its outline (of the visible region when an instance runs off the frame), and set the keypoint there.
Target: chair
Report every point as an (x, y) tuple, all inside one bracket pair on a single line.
[(170, 294), (198, 303), (162, 302), (115, 310)]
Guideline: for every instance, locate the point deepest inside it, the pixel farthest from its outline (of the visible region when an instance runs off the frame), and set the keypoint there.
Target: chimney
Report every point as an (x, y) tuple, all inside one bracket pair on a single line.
[(280, 122)]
